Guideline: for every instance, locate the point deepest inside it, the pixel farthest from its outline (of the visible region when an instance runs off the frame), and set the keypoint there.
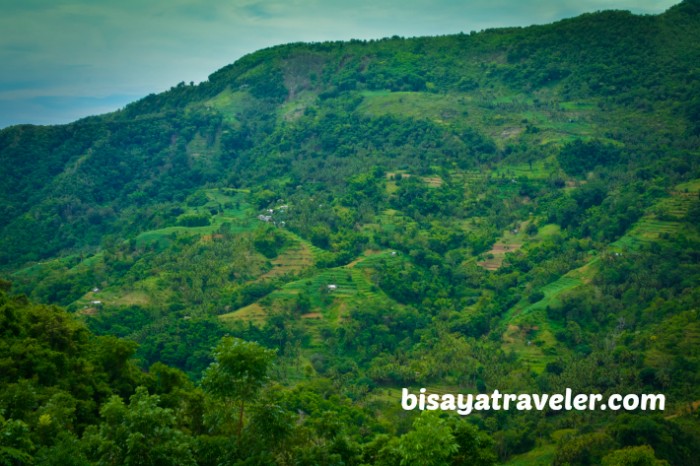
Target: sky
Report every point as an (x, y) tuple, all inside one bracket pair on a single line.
[(66, 59)]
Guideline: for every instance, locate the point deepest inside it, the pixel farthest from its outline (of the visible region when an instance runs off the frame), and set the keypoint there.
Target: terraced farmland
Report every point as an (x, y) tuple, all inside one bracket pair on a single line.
[(253, 313), (295, 258), (663, 219), (529, 332), (511, 241), (539, 169), (233, 210), (329, 290)]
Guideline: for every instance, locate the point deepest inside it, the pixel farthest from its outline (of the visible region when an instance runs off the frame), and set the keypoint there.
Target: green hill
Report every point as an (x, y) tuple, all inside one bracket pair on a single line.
[(514, 209)]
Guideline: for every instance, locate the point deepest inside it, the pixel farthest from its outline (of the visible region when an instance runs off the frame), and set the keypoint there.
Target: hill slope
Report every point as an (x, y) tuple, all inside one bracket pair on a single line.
[(515, 209)]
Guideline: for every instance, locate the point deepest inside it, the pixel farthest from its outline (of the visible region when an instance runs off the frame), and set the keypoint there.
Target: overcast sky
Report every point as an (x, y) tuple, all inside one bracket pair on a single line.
[(65, 59)]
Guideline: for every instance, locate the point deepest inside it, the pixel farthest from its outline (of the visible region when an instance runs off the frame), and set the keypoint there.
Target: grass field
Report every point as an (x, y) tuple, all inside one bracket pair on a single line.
[(199, 147), (231, 104), (294, 108), (420, 105), (72, 261), (501, 115)]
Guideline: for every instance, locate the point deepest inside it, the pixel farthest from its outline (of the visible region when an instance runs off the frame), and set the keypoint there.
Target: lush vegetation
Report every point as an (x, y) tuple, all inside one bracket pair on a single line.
[(250, 269)]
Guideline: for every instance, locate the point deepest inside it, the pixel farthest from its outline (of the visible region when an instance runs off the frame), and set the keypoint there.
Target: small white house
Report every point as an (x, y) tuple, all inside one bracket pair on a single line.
[(332, 287)]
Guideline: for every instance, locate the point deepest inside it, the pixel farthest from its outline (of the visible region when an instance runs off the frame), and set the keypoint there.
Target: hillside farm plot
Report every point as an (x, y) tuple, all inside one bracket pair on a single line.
[(529, 333), (663, 220), (537, 170), (420, 105), (510, 241), (253, 313), (329, 291), (292, 260), (231, 105), (223, 206)]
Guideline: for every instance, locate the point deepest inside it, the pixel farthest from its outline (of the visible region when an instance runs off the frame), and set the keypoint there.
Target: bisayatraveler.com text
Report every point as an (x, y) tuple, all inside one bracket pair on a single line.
[(465, 404)]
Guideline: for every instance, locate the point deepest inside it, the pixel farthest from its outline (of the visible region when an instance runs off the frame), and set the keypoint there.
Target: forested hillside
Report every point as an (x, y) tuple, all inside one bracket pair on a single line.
[(249, 270)]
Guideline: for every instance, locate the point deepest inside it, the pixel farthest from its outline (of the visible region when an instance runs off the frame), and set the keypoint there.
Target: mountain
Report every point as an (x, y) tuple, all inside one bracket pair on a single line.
[(514, 209)]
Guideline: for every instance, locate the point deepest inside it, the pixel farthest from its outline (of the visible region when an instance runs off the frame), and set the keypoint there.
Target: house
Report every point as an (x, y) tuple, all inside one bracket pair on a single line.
[(332, 287)]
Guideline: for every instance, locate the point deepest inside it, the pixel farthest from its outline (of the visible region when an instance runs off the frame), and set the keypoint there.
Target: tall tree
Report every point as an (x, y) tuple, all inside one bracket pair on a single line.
[(239, 370)]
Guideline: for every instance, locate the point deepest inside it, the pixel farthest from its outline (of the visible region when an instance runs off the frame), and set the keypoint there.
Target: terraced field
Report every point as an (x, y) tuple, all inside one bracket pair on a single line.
[(497, 254), (538, 170), (379, 259), (510, 241), (530, 333), (295, 258), (234, 211), (471, 176), (343, 282), (253, 313), (337, 282), (663, 219), (330, 291)]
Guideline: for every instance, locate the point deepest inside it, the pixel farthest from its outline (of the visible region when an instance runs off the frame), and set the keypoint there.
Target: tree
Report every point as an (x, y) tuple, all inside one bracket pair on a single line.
[(584, 449), (430, 443), (475, 448), (633, 456), (141, 433), (578, 157), (15, 442), (239, 370)]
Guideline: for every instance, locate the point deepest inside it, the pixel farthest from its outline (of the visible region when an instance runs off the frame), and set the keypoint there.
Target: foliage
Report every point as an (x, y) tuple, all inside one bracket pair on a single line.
[(514, 209)]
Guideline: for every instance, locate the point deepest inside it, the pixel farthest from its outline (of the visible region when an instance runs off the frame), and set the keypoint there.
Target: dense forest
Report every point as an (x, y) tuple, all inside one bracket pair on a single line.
[(249, 270)]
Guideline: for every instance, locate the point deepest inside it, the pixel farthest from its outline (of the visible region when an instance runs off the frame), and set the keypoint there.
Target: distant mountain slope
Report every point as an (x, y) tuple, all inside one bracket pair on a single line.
[(280, 111)]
